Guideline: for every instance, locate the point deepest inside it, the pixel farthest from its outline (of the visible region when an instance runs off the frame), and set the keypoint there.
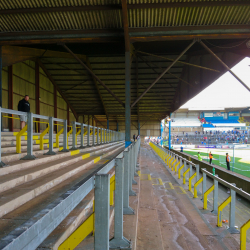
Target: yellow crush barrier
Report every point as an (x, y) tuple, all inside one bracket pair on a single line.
[(41, 137), (78, 132), (196, 185), (243, 235), (175, 167), (57, 137), (190, 182), (68, 134), (79, 235), (220, 208), (179, 171), (205, 196), (184, 174), (18, 139), (87, 226), (112, 189), (173, 164)]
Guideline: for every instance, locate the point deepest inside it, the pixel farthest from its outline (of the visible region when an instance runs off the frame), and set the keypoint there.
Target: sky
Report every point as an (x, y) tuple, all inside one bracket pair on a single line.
[(225, 92)]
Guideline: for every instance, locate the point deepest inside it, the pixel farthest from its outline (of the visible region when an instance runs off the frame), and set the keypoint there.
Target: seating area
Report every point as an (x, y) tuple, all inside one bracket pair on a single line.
[(37, 169), (185, 122)]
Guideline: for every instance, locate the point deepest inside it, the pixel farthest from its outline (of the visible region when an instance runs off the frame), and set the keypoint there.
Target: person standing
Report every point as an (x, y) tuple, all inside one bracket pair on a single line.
[(199, 157), (24, 106), (134, 137), (228, 159), (210, 157)]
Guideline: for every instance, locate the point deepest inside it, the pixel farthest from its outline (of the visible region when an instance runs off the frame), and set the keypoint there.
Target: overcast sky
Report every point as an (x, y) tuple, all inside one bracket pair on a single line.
[(226, 92)]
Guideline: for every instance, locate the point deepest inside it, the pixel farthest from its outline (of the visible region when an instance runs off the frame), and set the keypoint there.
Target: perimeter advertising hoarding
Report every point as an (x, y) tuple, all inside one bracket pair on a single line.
[(206, 146)]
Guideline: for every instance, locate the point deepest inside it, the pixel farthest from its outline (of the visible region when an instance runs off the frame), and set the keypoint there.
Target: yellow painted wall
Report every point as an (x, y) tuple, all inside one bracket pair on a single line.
[(24, 84)]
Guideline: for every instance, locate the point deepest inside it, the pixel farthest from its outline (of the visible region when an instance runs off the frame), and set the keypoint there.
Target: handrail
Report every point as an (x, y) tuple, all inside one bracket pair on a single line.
[(105, 134), (227, 184), (217, 209)]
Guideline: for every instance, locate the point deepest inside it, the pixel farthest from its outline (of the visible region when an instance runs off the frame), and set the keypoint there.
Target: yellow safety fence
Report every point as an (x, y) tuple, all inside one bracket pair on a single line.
[(169, 160), (87, 227)]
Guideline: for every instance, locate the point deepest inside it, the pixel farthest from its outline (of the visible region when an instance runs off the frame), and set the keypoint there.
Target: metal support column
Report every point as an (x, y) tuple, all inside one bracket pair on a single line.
[(119, 241), (29, 155), (82, 136), (102, 213), (139, 128), (97, 136), (132, 163), (232, 228), (101, 133), (204, 185), (51, 137), (1, 84), (1, 163), (88, 136), (127, 100), (107, 123), (130, 172), (74, 135), (65, 139), (93, 142), (215, 208), (169, 132)]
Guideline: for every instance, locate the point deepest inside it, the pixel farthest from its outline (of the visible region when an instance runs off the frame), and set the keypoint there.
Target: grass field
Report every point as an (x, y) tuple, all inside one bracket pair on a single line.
[(241, 158)]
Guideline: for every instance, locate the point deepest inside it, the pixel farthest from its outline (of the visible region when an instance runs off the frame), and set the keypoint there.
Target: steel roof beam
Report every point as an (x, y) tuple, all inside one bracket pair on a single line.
[(180, 79), (164, 72), (91, 72), (224, 65), (118, 7), (97, 88)]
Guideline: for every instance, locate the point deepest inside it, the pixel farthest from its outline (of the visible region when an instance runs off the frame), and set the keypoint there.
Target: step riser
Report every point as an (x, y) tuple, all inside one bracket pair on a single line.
[(29, 177), (27, 164), (17, 202)]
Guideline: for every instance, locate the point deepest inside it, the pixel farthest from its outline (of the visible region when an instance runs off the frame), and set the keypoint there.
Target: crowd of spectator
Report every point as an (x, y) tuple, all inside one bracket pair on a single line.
[(212, 137)]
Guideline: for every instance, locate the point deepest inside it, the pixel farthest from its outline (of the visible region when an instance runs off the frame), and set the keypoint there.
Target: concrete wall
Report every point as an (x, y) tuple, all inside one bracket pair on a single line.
[(24, 84)]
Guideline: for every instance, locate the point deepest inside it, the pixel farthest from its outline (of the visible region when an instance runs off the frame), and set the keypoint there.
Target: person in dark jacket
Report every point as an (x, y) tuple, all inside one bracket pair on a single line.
[(24, 106), (134, 137)]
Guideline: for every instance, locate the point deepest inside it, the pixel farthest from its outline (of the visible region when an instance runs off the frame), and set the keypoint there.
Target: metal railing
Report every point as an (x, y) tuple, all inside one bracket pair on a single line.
[(100, 135), (178, 164), (36, 230)]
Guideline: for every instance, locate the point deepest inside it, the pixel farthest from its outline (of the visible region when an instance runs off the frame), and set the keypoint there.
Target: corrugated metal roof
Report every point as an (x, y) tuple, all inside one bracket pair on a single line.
[(105, 19)]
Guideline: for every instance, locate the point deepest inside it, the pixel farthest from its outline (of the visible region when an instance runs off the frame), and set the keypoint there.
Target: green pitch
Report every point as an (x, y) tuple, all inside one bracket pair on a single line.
[(241, 164)]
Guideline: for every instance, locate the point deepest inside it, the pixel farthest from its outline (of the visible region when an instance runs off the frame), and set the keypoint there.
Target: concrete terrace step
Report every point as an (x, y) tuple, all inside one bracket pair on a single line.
[(16, 197), (13, 156), (18, 217), (25, 175), (18, 165)]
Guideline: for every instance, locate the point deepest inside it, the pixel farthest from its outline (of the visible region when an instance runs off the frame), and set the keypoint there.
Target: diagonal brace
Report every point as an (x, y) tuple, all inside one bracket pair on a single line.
[(218, 59), (164, 72), (94, 76)]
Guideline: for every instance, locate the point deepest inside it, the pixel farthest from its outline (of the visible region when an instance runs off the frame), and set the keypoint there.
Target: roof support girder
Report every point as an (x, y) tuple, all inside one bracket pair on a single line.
[(164, 72)]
